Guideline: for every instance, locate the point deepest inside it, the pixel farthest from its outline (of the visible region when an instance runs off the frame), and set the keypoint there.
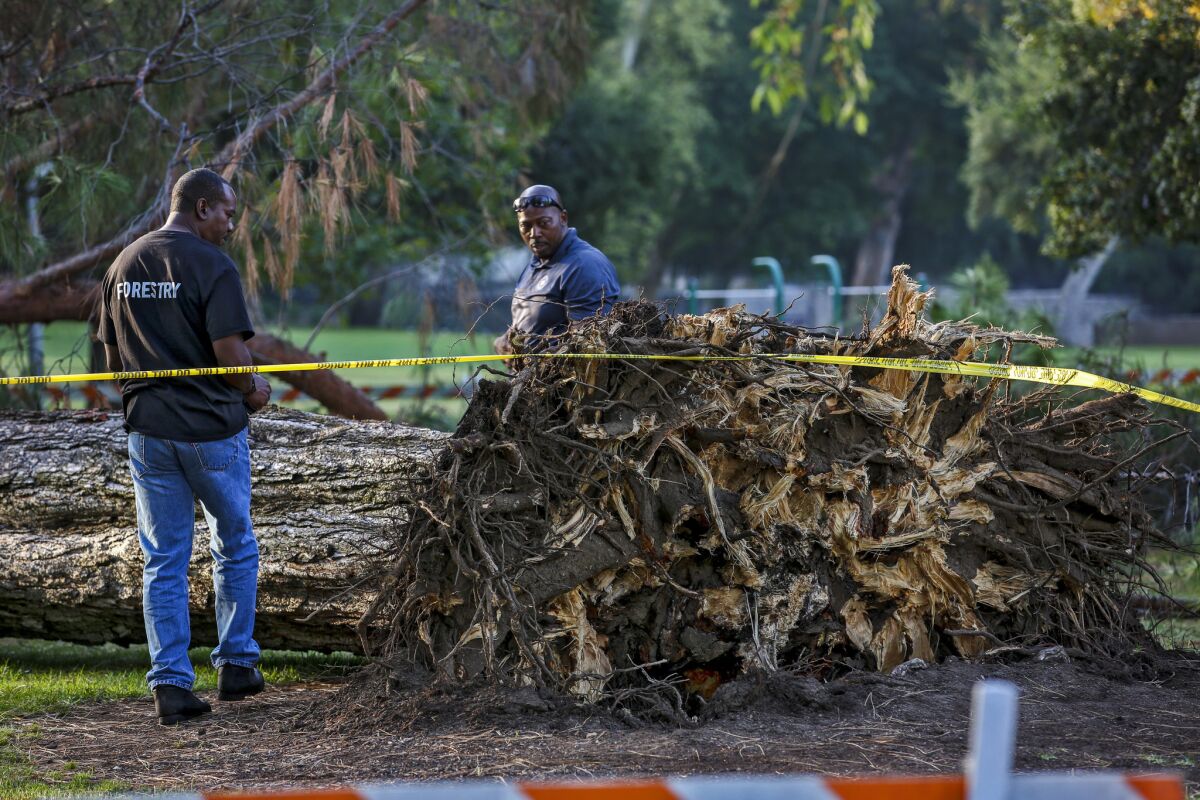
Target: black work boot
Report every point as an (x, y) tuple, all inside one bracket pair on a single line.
[(174, 704), (238, 683)]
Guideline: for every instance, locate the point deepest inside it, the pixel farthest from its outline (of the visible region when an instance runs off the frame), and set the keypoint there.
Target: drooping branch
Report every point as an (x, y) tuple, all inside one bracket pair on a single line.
[(334, 393)]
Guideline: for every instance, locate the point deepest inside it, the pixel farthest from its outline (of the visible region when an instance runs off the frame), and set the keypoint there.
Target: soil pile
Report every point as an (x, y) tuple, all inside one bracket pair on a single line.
[(640, 531)]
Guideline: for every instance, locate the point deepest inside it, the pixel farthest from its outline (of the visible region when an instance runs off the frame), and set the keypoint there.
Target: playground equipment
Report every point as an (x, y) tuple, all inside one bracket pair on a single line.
[(778, 290)]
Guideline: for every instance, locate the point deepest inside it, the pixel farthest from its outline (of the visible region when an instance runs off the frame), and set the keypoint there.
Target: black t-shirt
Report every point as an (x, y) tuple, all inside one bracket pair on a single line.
[(163, 302)]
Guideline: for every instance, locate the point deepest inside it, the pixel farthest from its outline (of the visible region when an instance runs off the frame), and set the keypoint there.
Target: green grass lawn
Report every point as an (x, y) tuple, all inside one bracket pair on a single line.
[(1139, 356), (41, 677), (1180, 571), (66, 350), (358, 344)]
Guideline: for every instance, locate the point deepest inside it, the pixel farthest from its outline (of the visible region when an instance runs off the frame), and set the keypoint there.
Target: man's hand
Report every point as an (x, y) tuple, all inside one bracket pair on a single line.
[(259, 396), (502, 345)]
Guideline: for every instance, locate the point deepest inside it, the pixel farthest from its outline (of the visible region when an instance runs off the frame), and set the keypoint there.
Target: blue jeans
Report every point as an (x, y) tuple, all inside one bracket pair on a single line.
[(168, 476)]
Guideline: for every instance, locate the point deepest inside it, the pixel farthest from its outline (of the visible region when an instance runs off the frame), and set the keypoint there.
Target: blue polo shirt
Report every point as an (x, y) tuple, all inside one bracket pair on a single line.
[(576, 282)]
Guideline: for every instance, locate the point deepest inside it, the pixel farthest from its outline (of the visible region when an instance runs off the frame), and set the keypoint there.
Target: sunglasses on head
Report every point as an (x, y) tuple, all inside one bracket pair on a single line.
[(536, 201)]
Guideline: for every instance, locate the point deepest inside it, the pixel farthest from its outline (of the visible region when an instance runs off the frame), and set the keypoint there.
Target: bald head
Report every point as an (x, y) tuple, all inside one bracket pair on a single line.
[(203, 203), (542, 190), (196, 185), (538, 196)]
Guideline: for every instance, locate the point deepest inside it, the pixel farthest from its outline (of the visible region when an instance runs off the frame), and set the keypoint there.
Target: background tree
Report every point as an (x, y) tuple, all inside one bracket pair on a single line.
[(1124, 115), (1082, 132), (626, 150), (665, 161)]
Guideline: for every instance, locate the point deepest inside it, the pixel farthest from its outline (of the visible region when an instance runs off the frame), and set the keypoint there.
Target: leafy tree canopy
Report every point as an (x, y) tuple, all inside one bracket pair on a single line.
[(1086, 124), (806, 50), (661, 159)]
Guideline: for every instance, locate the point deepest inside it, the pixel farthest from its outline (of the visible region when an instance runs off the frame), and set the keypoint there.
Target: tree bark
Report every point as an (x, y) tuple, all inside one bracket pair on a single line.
[(67, 301), (334, 393), (875, 258), (1072, 326), (326, 496)]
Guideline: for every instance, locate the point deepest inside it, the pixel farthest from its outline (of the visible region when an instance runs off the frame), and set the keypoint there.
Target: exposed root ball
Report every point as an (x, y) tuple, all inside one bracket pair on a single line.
[(614, 526)]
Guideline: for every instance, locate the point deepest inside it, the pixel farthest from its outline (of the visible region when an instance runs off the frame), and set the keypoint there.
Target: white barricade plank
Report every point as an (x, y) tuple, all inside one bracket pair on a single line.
[(741, 788), (1084, 786), (443, 791), (1045, 786), (993, 738)]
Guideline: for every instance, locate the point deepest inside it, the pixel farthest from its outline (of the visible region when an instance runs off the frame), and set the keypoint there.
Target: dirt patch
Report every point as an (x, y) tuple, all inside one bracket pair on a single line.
[(1072, 716)]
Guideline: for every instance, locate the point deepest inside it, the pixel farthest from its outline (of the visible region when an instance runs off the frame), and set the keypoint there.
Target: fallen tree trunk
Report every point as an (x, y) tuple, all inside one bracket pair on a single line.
[(72, 301), (326, 494), (325, 386)]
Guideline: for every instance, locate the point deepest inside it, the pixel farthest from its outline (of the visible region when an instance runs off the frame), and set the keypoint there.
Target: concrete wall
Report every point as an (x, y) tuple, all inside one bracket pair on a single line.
[(1173, 330)]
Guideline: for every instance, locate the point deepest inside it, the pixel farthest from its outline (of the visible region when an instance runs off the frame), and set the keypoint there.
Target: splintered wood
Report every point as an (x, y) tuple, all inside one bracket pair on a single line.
[(701, 519)]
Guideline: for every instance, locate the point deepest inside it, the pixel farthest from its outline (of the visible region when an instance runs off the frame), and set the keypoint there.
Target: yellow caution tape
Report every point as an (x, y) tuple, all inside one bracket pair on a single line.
[(1054, 376)]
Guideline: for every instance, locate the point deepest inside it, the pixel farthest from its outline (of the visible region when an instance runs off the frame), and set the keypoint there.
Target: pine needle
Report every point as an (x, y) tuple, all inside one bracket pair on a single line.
[(417, 95), (348, 125), (408, 146), (343, 168), (394, 186), (327, 116), (369, 159), (332, 207), (241, 236), (271, 265), (289, 221)]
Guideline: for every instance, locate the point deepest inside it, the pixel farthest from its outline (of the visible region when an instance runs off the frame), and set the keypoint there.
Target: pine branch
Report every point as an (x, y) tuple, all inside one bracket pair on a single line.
[(33, 101), (235, 151), (48, 148), (229, 158)]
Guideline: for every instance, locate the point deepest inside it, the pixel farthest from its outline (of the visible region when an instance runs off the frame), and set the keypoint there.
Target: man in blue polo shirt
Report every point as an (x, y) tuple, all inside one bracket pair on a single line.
[(566, 279)]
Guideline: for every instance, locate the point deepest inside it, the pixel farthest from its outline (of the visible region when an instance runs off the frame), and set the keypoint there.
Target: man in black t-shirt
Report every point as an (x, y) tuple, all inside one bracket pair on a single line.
[(173, 300)]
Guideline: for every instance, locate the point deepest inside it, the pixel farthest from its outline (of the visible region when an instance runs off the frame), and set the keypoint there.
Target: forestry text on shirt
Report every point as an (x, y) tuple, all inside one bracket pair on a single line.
[(148, 290)]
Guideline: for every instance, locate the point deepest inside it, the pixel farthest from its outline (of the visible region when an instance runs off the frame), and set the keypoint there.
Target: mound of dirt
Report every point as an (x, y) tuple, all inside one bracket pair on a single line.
[(644, 531)]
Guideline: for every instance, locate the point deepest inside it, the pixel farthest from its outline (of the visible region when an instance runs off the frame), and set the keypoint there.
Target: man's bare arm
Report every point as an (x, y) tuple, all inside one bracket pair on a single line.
[(231, 351), (112, 357)]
